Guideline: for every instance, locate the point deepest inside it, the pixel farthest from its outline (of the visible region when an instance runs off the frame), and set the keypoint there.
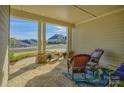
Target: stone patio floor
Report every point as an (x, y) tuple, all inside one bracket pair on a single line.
[(26, 73)]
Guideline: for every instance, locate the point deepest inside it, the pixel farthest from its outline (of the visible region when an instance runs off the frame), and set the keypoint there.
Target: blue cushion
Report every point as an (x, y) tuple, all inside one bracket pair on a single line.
[(120, 72)]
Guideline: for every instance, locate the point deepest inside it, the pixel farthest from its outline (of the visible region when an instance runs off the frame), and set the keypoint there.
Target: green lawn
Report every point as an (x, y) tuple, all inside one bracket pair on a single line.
[(18, 56), (23, 53)]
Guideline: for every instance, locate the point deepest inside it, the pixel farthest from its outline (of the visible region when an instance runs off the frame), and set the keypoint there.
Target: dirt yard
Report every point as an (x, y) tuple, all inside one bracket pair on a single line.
[(26, 73)]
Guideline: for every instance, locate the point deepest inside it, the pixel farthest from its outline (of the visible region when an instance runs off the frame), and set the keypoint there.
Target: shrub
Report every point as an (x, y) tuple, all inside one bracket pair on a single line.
[(16, 57)]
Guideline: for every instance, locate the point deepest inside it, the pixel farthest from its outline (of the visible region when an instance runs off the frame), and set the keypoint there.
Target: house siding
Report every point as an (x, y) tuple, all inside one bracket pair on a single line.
[(4, 31), (106, 33)]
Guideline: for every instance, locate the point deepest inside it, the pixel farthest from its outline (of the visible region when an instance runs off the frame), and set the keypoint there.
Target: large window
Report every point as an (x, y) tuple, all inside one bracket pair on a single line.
[(23, 36), (56, 38)]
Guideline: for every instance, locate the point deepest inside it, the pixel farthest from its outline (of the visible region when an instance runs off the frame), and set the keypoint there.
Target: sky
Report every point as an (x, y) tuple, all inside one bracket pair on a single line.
[(25, 29)]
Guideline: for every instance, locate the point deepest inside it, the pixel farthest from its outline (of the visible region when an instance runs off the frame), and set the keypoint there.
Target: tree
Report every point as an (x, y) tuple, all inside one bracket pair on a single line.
[(13, 42)]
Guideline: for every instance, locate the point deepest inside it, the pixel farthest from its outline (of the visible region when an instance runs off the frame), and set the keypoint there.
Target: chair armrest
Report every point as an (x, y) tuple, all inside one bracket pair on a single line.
[(76, 67), (91, 64)]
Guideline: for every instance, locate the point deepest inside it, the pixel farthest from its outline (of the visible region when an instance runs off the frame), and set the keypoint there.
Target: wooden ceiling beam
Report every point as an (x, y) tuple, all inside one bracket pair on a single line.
[(84, 10)]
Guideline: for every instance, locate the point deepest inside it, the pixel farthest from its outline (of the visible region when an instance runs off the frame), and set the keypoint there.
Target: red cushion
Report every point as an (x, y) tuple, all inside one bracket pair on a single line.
[(79, 61)]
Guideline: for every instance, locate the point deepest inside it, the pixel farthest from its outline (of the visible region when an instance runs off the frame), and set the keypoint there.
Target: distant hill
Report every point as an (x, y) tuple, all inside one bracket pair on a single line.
[(30, 41), (57, 39), (22, 43)]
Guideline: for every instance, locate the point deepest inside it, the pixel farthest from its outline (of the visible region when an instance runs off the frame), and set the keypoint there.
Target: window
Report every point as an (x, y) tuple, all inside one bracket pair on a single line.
[(56, 38), (23, 36)]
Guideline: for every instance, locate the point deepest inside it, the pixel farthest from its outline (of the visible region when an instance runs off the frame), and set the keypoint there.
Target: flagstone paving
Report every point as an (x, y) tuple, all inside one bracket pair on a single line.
[(26, 73)]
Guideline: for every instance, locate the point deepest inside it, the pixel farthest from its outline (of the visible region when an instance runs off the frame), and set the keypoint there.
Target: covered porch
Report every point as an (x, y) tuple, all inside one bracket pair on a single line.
[(88, 28)]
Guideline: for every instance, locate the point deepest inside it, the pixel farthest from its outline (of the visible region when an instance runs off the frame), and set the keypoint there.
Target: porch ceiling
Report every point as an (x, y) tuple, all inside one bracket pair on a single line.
[(68, 13)]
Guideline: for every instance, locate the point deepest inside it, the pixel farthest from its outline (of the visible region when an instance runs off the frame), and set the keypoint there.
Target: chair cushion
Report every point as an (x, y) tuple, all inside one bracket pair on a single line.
[(97, 53), (119, 72), (80, 61)]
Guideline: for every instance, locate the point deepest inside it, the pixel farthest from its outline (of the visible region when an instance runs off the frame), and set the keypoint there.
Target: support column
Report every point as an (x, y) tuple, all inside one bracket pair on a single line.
[(41, 58), (44, 37), (39, 37), (69, 41)]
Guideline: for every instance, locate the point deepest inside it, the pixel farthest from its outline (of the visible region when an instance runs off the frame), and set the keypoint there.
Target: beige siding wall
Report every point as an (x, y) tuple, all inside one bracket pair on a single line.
[(106, 33), (4, 30)]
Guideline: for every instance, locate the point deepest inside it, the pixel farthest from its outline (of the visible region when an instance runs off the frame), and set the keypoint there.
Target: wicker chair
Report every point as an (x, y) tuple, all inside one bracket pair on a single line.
[(94, 60), (77, 63)]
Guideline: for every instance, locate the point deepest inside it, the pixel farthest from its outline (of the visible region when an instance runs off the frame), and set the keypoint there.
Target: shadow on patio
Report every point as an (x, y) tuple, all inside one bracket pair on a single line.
[(27, 73), (54, 78), (23, 70)]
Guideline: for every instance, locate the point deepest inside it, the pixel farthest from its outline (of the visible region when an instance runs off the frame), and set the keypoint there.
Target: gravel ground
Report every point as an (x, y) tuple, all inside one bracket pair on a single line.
[(26, 73)]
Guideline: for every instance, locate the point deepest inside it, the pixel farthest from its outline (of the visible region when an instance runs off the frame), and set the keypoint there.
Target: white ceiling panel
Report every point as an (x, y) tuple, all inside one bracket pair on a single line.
[(68, 13)]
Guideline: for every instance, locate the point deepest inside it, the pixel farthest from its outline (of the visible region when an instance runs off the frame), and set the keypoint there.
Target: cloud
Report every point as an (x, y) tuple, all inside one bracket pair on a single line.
[(31, 33), (60, 29)]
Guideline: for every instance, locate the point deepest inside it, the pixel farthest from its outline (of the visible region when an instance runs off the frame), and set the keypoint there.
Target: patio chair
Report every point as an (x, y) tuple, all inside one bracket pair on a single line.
[(119, 71), (94, 60), (117, 75), (77, 64)]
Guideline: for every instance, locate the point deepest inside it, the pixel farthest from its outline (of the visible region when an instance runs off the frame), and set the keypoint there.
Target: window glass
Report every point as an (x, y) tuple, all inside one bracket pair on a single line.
[(56, 38), (23, 36)]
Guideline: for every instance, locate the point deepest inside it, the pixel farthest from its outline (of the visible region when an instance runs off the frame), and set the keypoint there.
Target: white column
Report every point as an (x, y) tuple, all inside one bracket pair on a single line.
[(69, 45), (39, 37), (44, 37)]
